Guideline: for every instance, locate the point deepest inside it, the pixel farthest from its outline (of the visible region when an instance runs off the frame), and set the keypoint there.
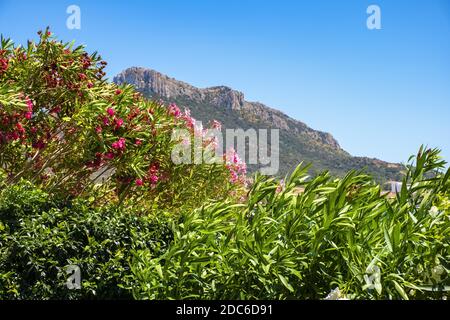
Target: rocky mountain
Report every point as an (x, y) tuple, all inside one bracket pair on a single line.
[(298, 142)]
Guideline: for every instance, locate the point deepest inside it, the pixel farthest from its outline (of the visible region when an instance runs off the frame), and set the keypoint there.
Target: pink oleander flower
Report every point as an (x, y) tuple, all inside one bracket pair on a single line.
[(153, 179), (153, 173), (110, 112), (29, 105), (39, 145), (14, 136), (186, 141), (118, 122), (105, 121), (174, 110), (119, 144), (98, 129), (190, 122), (212, 142), (216, 125), (20, 128), (138, 142), (109, 155), (234, 177), (28, 115), (90, 85), (235, 166), (118, 91), (139, 182)]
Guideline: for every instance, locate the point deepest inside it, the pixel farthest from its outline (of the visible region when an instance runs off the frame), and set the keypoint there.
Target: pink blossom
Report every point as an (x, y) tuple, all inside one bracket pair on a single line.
[(20, 128), (235, 166), (119, 144), (139, 182), (28, 115), (214, 143), (119, 123), (216, 125), (109, 155), (29, 105), (39, 145), (110, 111), (186, 141), (190, 122), (15, 136), (234, 177), (153, 179), (138, 142), (152, 173), (174, 110), (98, 129)]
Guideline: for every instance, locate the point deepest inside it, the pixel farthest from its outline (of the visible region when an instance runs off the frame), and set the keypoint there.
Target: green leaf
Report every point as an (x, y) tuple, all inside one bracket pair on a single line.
[(400, 290), (286, 283)]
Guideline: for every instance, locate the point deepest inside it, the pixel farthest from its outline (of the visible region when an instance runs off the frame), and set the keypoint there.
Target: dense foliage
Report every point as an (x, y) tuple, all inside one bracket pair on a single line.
[(87, 179), (64, 128), (337, 233), (41, 237)]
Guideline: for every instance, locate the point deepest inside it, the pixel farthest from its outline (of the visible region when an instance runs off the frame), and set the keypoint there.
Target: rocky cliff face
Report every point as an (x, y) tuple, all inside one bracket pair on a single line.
[(148, 80), (298, 142)]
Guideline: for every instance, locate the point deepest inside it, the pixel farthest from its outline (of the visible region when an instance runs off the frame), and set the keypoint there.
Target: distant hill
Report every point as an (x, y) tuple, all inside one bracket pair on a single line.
[(298, 142)]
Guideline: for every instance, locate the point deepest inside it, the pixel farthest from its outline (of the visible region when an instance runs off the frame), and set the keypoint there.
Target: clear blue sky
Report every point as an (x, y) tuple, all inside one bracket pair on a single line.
[(381, 93)]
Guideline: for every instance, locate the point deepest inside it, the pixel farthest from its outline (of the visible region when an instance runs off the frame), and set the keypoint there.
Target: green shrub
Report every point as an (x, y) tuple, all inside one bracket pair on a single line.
[(286, 244), (39, 238)]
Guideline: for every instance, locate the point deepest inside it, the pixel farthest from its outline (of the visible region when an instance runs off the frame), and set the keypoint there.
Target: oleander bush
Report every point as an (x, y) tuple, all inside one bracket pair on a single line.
[(67, 130), (339, 238)]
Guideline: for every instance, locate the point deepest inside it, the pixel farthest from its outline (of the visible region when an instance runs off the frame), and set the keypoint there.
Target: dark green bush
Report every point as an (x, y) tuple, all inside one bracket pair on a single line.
[(40, 237)]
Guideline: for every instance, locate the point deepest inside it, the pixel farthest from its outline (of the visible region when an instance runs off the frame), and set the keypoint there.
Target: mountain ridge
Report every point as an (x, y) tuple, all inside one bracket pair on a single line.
[(298, 141)]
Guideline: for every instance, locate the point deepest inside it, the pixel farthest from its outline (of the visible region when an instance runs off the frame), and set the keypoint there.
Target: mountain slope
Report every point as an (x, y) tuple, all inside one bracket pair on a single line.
[(298, 142)]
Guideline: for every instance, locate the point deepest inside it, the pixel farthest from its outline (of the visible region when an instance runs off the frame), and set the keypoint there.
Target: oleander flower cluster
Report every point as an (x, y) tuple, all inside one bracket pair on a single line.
[(65, 128)]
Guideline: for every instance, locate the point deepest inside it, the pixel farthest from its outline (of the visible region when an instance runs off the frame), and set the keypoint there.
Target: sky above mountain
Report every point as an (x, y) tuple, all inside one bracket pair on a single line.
[(381, 93)]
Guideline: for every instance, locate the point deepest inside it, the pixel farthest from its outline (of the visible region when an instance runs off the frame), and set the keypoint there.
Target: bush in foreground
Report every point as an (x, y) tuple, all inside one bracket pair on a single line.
[(40, 238), (338, 233), (66, 129)]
